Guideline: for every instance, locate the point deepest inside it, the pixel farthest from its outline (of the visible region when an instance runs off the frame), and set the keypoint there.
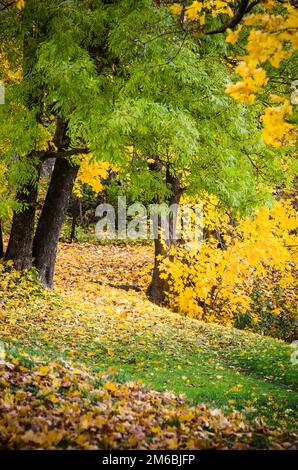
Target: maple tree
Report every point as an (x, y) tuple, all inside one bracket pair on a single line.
[(246, 270)]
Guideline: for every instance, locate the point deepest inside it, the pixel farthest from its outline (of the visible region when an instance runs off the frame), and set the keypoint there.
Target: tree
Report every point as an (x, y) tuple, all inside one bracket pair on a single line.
[(171, 126), (243, 274), (180, 169), (48, 110), (86, 89)]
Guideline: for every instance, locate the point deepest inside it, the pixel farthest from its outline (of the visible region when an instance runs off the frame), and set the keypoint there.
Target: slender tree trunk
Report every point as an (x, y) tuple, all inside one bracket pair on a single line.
[(76, 212), (20, 244), (73, 228), (159, 286), (51, 220), (1, 242)]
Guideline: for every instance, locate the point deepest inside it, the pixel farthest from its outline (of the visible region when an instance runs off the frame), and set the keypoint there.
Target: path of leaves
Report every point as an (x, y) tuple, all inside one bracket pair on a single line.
[(125, 267), (59, 386)]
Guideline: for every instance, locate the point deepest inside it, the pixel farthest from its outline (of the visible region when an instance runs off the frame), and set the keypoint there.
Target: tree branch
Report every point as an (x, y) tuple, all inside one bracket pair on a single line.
[(4, 6), (244, 8)]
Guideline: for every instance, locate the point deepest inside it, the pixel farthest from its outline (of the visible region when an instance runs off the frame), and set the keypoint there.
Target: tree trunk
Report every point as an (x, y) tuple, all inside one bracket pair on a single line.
[(76, 212), (51, 220), (20, 244), (1, 242), (159, 287)]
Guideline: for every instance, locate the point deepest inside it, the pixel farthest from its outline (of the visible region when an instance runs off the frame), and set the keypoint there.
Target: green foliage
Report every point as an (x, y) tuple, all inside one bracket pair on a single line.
[(126, 76)]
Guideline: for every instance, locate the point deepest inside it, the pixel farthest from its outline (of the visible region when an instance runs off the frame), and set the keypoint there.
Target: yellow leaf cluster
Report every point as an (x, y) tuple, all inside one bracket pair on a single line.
[(233, 36), (277, 131), (91, 173), (45, 138), (216, 281), (8, 72), (115, 416), (192, 12), (197, 10), (272, 38), (253, 78)]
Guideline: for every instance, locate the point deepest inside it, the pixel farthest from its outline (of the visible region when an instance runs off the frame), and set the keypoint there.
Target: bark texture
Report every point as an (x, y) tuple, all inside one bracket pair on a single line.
[(158, 287), (51, 220), (20, 243)]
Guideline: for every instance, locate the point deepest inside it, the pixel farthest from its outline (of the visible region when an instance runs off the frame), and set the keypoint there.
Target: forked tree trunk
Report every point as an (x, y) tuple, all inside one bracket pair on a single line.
[(159, 286), (20, 243), (1, 242), (51, 220)]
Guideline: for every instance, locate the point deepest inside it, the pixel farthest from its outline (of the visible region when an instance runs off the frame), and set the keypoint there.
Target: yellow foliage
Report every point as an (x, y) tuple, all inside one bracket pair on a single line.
[(272, 38), (7, 72), (176, 9), (216, 281), (45, 138), (20, 4), (192, 12), (196, 11), (277, 131), (252, 80), (91, 173), (233, 36)]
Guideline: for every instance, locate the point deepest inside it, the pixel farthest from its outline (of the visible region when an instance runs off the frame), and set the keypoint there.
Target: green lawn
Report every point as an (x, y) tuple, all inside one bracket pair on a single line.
[(128, 338)]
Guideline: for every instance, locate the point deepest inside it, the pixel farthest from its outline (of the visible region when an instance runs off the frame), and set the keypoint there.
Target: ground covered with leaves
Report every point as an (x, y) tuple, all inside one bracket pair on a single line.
[(96, 365)]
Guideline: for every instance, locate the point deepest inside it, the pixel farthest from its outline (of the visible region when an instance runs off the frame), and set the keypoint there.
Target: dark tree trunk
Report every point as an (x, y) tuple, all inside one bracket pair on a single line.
[(51, 220), (76, 212), (20, 244), (1, 242), (159, 287)]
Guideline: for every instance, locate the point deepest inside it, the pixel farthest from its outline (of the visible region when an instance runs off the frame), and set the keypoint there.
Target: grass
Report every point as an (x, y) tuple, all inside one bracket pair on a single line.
[(123, 335), (221, 367)]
